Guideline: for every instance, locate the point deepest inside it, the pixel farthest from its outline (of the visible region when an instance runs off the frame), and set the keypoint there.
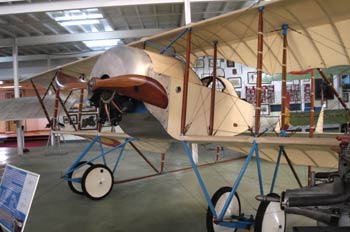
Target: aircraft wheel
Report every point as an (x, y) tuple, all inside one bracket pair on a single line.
[(97, 181), (219, 199), (78, 173), (270, 217)]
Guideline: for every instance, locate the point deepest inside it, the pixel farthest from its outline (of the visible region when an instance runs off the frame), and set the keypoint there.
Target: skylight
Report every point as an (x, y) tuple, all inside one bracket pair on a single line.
[(85, 20), (101, 44), (80, 22)]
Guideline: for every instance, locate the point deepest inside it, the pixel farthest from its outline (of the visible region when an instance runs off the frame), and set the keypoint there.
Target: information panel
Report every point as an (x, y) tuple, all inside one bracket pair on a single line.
[(17, 190)]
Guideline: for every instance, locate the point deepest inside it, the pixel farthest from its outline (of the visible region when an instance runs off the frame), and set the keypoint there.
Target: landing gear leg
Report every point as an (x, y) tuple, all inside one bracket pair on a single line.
[(233, 211)]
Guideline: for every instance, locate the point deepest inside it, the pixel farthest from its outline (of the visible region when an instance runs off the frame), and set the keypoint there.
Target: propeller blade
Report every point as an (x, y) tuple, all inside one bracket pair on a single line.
[(107, 112), (139, 87), (122, 81), (67, 82)]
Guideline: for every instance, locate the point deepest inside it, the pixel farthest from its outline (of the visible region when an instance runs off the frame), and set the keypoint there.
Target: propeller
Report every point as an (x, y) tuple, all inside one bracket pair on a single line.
[(116, 95), (139, 87), (67, 82)]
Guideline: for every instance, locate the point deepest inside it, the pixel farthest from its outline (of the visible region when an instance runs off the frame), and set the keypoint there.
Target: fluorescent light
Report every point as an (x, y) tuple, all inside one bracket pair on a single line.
[(101, 44), (12, 0), (1, 82), (80, 22), (79, 17)]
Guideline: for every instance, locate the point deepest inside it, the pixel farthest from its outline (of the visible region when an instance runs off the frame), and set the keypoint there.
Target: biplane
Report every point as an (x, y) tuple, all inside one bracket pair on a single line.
[(149, 89)]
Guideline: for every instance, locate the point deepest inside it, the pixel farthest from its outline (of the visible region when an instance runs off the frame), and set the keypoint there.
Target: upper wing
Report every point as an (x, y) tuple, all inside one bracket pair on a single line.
[(75, 69), (318, 35), (29, 107), (319, 152)]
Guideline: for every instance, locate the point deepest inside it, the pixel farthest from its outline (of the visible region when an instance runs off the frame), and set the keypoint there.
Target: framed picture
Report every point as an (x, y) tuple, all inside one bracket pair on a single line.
[(346, 97), (230, 63), (88, 121), (211, 63), (73, 117), (252, 77), (265, 109), (199, 63), (236, 81), (234, 71)]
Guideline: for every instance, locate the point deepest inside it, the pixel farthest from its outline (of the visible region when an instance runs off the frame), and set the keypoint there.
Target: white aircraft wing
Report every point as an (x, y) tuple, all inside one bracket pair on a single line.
[(318, 152), (318, 35)]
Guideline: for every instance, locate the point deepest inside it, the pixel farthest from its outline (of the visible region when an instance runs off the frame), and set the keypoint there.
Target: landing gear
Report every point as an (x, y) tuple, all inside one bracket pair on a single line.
[(233, 211), (270, 217), (97, 181), (77, 174)]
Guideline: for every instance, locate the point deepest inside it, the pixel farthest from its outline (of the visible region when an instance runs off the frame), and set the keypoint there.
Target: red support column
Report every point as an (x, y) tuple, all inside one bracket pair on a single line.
[(213, 89), (259, 71), (284, 78), (185, 83)]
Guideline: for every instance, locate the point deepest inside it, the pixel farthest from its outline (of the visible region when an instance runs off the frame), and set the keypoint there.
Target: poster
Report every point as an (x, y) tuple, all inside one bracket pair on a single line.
[(17, 190)]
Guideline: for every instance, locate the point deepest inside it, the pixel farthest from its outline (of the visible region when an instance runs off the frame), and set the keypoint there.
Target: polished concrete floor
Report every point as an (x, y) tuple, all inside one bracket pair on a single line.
[(168, 202)]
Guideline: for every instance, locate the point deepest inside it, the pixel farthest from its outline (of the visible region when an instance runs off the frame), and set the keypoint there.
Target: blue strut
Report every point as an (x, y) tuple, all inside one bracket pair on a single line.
[(102, 155), (237, 224)]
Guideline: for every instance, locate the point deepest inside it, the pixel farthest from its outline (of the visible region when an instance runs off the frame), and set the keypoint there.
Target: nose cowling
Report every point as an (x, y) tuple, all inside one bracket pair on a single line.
[(127, 71)]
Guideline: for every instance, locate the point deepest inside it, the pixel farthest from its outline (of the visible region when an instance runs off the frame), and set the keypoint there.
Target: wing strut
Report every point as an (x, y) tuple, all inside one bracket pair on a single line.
[(284, 77), (185, 82), (213, 90), (40, 101), (259, 70)]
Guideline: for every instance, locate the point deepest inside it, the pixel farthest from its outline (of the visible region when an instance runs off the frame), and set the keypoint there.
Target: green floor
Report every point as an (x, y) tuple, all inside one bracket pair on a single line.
[(169, 202)]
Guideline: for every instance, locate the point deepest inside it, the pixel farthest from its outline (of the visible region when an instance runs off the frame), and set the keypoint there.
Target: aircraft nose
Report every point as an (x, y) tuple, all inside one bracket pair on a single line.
[(122, 60)]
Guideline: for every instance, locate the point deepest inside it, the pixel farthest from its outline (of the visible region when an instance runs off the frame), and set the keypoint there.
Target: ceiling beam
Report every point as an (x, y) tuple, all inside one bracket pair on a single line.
[(8, 59), (70, 5), (64, 38)]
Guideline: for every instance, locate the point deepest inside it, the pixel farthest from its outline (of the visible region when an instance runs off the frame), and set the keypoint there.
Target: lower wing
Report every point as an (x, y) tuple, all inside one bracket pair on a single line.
[(318, 152)]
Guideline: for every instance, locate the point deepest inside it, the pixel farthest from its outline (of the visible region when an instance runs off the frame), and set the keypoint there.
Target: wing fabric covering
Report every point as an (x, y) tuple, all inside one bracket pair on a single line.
[(317, 152), (26, 108), (318, 35)]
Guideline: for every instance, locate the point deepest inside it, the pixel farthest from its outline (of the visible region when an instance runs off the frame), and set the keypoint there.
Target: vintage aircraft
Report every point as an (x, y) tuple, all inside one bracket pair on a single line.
[(151, 92)]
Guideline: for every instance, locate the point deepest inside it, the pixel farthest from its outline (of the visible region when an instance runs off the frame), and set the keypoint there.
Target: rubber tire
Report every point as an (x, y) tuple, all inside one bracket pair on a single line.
[(71, 184), (215, 199), (259, 219), (107, 183)]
